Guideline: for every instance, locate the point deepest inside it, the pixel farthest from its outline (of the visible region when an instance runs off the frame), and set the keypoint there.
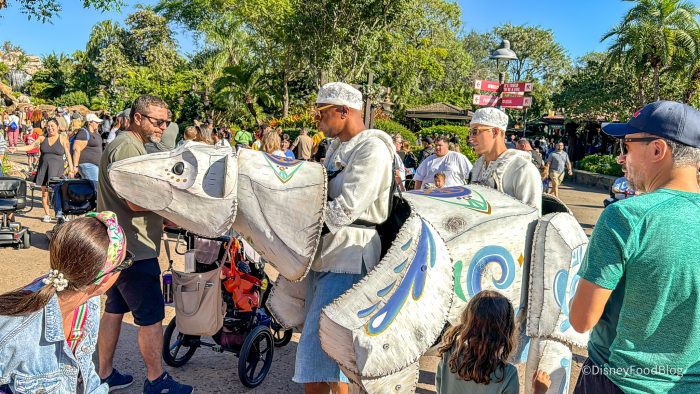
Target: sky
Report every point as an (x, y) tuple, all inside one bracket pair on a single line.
[(577, 25)]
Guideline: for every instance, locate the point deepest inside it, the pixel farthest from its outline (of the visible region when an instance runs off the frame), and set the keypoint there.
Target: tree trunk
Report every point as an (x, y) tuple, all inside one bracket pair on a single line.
[(285, 96), (640, 92), (656, 82), (249, 102)]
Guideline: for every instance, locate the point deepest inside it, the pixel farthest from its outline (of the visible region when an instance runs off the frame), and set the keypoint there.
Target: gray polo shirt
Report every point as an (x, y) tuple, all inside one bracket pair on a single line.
[(557, 161)]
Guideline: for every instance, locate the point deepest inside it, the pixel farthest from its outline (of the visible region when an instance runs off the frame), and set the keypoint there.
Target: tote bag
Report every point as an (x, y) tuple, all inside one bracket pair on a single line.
[(198, 302)]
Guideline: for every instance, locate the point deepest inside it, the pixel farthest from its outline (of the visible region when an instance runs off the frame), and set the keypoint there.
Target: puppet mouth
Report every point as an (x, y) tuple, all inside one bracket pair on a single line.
[(146, 192)]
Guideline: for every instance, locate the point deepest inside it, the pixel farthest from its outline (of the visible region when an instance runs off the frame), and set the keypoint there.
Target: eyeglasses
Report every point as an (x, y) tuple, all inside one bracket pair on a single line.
[(623, 141), (126, 263), (155, 121), (317, 111), (475, 131)]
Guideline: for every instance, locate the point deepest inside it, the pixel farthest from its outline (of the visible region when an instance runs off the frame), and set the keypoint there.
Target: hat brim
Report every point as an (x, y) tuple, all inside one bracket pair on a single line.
[(619, 130)]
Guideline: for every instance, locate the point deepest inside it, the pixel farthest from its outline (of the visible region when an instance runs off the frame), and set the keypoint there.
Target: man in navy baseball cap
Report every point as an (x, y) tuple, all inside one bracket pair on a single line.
[(638, 284), (666, 119)]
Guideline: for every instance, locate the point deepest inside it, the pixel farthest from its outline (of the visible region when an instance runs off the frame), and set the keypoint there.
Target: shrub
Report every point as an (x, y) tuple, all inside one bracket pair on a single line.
[(460, 131), (390, 127), (6, 164), (72, 98), (601, 164), (294, 121)]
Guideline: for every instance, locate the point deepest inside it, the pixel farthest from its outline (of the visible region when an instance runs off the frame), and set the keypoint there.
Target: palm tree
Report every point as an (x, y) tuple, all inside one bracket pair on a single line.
[(655, 33), (246, 82)]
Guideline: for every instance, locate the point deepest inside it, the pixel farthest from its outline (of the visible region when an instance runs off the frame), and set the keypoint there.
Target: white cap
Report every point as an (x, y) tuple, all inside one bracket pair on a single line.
[(340, 93), (490, 116), (92, 118)]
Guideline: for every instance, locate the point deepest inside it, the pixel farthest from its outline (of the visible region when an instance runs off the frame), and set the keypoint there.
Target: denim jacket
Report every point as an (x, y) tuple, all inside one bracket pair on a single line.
[(35, 358)]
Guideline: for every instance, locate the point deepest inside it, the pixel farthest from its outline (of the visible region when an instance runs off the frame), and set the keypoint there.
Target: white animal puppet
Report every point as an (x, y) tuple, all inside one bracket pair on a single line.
[(445, 246)]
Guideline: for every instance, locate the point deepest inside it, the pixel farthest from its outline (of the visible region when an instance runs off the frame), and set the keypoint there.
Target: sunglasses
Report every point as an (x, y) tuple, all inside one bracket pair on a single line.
[(624, 141), (475, 131), (155, 121), (317, 111), (126, 263)]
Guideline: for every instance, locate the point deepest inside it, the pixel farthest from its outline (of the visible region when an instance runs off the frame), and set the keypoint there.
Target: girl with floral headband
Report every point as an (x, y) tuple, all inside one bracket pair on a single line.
[(48, 329)]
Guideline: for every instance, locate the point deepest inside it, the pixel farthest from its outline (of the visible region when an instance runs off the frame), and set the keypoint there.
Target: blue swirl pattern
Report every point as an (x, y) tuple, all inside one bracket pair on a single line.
[(412, 283), (485, 256)]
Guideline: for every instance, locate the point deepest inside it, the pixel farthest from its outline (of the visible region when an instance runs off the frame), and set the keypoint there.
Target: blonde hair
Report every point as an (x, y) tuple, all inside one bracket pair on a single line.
[(271, 142), (76, 124)]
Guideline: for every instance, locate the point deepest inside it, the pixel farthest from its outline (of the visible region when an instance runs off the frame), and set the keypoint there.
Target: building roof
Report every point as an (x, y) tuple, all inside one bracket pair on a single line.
[(438, 111)]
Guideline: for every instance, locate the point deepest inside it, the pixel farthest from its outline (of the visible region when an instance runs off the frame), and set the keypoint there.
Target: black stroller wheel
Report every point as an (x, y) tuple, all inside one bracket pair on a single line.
[(255, 358), (178, 348)]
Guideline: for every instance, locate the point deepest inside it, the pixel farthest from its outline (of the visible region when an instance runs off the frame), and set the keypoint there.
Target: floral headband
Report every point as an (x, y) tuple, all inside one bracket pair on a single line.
[(117, 242)]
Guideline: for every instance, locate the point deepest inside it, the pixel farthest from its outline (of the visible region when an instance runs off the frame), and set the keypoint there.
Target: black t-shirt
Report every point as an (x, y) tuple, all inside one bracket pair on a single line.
[(93, 151)]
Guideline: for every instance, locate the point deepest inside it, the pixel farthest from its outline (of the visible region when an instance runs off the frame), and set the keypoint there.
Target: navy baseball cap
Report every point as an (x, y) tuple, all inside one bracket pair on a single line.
[(667, 119)]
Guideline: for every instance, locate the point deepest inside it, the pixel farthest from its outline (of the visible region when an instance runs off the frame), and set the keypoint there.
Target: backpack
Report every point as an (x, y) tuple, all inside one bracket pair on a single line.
[(322, 149), (410, 161), (71, 140)]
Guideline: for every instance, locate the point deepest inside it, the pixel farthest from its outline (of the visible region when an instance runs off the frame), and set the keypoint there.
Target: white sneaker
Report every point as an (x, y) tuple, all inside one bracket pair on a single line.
[(46, 219)]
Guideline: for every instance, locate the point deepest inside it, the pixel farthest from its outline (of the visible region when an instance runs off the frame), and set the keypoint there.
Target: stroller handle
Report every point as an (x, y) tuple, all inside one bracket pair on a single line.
[(186, 233)]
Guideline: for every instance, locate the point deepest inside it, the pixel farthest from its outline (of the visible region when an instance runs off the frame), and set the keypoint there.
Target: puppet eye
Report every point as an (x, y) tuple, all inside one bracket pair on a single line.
[(179, 168)]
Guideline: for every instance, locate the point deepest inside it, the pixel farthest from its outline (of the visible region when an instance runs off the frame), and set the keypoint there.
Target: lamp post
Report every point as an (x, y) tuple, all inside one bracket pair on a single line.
[(503, 52)]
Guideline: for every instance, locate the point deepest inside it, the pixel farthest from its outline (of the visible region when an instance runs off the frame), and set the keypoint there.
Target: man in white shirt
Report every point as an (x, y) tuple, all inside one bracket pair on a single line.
[(454, 165), (507, 170), (358, 163)]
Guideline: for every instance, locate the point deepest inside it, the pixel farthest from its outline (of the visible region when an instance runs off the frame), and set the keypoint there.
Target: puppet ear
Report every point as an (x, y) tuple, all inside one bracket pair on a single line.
[(269, 190), (557, 253)]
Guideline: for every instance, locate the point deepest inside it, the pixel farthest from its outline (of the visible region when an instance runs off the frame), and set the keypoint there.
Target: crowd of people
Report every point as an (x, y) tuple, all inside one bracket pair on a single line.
[(636, 264)]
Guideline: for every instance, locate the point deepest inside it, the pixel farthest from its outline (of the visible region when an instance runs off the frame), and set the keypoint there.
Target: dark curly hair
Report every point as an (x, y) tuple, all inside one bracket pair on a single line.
[(483, 340)]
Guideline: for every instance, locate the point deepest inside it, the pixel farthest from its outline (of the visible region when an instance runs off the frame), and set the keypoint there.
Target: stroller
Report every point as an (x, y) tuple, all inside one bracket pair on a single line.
[(13, 199), (249, 330), (75, 197)]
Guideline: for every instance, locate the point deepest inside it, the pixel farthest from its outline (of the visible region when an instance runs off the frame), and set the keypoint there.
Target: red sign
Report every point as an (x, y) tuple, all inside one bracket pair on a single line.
[(505, 102), (516, 102), (517, 87), (485, 100), (487, 86)]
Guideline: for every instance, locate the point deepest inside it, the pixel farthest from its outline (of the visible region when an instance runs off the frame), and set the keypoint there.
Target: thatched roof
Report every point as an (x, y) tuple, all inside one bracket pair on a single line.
[(438, 111)]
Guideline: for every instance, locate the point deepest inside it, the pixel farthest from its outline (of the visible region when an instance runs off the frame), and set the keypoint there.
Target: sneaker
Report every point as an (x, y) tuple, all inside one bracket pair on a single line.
[(165, 384), (117, 381), (46, 219)]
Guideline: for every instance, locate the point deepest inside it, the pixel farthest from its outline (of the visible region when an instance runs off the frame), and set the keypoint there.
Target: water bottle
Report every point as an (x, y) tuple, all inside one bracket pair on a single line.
[(168, 287)]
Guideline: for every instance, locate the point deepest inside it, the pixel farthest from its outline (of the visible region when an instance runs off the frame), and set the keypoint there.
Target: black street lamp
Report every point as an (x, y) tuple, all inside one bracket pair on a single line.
[(503, 52)]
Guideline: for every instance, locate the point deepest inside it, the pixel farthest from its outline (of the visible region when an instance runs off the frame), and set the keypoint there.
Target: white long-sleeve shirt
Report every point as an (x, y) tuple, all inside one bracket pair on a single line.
[(360, 191)]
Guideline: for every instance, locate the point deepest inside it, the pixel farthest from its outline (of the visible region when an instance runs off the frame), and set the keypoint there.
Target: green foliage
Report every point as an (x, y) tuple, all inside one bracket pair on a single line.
[(594, 90), (656, 35), (6, 166), (3, 72), (390, 127), (45, 10), (72, 98), (601, 164), (461, 132)]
